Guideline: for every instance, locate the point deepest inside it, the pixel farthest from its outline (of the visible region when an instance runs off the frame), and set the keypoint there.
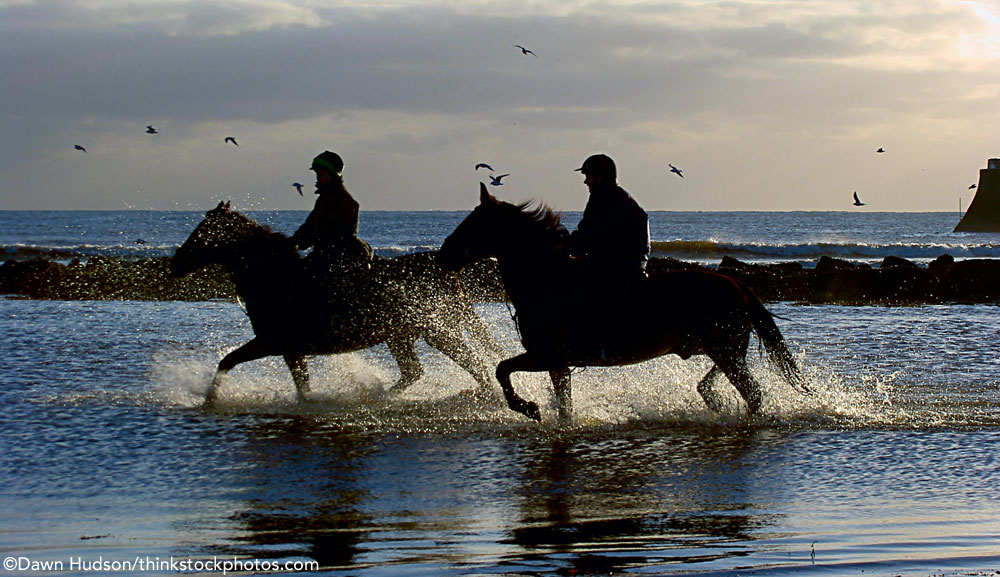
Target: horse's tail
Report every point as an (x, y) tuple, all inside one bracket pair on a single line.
[(774, 343)]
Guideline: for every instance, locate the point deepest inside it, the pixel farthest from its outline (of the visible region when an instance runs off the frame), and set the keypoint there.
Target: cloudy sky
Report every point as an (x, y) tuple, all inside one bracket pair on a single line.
[(765, 105)]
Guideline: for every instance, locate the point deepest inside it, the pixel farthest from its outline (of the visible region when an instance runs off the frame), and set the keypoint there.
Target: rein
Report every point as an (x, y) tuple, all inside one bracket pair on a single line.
[(513, 316)]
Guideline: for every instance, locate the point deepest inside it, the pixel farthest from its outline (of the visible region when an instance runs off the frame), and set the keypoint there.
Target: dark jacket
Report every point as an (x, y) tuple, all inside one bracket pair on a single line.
[(333, 219), (613, 234)]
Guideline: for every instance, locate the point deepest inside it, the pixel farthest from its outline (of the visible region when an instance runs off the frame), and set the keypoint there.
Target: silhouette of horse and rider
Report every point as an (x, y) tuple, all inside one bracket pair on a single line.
[(581, 298), (584, 298), (340, 298)]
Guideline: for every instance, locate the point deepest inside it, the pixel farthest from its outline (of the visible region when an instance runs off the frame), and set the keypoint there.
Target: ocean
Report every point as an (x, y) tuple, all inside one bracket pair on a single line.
[(703, 237), (110, 465)]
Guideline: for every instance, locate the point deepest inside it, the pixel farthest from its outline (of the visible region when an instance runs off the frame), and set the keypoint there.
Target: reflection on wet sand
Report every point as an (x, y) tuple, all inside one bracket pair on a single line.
[(304, 496), (581, 500), (607, 505)]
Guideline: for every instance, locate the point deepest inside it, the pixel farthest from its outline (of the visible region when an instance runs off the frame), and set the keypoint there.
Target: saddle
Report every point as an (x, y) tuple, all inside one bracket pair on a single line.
[(340, 272)]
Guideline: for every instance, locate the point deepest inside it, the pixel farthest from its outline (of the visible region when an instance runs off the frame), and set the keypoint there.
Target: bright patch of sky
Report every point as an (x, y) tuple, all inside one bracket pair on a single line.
[(765, 105)]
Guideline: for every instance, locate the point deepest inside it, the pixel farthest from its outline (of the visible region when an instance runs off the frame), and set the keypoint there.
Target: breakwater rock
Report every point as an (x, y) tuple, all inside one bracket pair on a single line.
[(895, 281)]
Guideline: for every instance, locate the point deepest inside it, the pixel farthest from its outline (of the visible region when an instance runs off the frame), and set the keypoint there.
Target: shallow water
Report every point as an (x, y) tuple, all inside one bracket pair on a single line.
[(890, 468)]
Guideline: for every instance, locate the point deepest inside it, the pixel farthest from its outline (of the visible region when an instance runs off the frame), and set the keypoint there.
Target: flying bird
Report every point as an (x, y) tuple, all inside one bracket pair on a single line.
[(298, 187), (495, 180), (484, 165), (971, 186), (675, 170), (525, 51), (151, 130), (857, 201), (880, 150), (233, 140), (78, 147)]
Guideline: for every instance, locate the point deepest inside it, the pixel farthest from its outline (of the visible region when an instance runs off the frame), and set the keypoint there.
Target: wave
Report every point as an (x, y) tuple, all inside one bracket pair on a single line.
[(135, 251), (709, 250), (705, 251), (396, 250)]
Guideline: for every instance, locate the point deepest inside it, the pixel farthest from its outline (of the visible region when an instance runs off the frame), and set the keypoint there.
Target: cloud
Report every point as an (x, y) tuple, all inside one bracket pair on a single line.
[(432, 84), (169, 17)]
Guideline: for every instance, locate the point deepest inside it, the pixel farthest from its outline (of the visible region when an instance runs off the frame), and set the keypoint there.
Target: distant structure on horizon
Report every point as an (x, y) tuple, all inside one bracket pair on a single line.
[(983, 214)]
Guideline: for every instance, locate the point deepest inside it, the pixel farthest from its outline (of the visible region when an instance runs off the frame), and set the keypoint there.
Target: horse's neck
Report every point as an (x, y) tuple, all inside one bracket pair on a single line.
[(530, 277), (261, 264)]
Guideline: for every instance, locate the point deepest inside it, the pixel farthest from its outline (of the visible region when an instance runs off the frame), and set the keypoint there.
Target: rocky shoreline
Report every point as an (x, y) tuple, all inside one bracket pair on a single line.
[(895, 281)]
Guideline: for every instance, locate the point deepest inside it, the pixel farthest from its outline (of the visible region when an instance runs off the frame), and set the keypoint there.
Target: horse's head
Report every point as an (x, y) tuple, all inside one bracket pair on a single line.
[(219, 230), (495, 226), (474, 238)]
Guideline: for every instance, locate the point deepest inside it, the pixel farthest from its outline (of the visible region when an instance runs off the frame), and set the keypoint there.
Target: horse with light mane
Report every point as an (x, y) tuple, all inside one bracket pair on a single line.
[(686, 313)]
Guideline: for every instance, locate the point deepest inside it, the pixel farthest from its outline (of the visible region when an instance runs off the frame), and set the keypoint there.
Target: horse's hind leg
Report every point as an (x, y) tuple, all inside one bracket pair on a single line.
[(738, 373), (564, 393), (300, 374), (707, 392), (403, 349), (477, 327), (454, 347)]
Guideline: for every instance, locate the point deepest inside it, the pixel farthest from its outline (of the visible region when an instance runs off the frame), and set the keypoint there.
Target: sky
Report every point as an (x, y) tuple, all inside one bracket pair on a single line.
[(764, 105)]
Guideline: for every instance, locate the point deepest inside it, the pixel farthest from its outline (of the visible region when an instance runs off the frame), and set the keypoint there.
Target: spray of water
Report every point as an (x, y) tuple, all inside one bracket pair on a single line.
[(357, 389)]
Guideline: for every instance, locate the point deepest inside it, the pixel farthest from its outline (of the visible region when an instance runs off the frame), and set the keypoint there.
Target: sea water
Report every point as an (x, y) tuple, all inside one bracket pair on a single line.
[(107, 456), (703, 237)]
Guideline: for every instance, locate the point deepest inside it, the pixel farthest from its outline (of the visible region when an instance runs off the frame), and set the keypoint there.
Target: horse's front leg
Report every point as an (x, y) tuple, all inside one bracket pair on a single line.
[(251, 351), (564, 393), (525, 362), (300, 374)]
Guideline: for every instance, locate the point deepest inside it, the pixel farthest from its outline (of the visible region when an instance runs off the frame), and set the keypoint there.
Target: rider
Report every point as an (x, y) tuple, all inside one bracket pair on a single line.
[(339, 258), (612, 240), (613, 235)]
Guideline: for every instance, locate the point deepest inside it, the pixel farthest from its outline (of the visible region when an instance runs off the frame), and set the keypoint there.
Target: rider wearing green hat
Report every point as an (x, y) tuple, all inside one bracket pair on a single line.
[(331, 229)]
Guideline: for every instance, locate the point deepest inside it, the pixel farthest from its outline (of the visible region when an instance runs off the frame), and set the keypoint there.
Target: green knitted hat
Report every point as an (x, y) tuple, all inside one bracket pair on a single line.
[(330, 161)]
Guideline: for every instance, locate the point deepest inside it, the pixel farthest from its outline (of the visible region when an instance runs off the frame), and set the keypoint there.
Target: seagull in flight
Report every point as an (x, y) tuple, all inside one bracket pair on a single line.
[(78, 147), (525, 51), (495, 180), (880, 150), (484, 165), (675, 170), (857, 201), (233, 140), (151, 130), (298, 187)]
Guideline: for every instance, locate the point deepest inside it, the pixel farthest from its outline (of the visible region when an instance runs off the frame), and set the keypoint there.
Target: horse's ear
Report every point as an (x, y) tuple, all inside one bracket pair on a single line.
[(484, 196), (227, 204), (221, 206)]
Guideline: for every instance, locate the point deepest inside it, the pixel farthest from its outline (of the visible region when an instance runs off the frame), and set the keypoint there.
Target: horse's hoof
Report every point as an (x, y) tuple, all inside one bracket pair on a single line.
[(531, 411)]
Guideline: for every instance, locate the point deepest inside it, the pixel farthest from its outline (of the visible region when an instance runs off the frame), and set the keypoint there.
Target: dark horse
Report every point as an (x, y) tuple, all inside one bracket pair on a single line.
[(403, 299), (682, 312)]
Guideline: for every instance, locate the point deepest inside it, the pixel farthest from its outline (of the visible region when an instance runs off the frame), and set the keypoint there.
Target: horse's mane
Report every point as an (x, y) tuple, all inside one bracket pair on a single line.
[(544, 217), (257, 228)]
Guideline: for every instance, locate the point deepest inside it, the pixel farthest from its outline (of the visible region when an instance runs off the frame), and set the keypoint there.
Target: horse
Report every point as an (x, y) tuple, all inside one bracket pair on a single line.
[(293, 315), (684, 312)]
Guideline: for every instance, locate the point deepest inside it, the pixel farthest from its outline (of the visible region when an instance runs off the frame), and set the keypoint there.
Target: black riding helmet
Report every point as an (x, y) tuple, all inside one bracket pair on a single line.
[(599, 165)]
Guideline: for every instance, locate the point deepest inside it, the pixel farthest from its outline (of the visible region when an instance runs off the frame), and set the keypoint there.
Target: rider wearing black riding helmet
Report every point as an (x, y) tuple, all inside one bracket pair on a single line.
[(612, 243), (613, 235)]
